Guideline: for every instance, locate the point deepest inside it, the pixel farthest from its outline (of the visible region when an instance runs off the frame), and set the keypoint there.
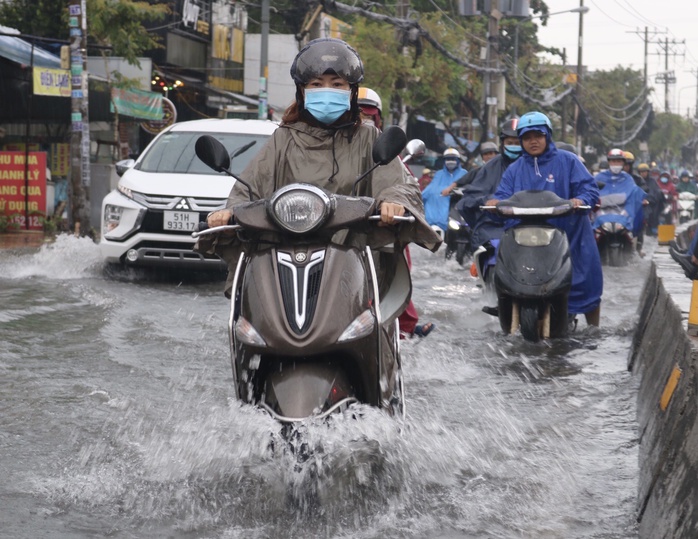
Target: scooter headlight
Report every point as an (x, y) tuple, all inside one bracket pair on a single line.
[(534, 236), (453, 224), (300, 208)]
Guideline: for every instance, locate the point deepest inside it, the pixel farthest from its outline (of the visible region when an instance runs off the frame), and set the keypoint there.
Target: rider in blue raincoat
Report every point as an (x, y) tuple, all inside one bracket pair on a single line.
[(436, 195), (543, 167), (614, 181)]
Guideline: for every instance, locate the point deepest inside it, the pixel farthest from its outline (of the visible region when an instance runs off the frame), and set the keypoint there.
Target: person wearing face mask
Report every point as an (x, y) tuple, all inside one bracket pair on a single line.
[(543, 167), (322, 141), (371, 108), (616, 181), (436, 194), (481, 189), (669, 191)]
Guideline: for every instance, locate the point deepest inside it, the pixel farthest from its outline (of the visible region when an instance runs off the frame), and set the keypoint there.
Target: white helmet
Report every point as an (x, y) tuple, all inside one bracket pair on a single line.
[(452, 152), (369, 97)]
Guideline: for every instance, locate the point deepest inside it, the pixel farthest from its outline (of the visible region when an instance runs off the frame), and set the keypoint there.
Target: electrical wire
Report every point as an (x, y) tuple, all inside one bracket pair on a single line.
[(637, 14), (607, 15)]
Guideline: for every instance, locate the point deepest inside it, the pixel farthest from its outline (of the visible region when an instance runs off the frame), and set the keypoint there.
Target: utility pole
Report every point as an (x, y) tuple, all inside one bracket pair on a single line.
[(668, 77), (263, 63), (578, 86), (492, 81), (80, 122), (646, 40)]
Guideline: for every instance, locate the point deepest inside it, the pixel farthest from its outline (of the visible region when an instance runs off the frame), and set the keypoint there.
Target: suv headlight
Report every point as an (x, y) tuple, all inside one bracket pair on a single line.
[(300, 208), (111, 218)]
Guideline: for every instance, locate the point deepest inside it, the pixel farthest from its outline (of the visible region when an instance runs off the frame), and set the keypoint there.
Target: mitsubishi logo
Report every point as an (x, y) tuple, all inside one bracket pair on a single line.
[(182, 205)]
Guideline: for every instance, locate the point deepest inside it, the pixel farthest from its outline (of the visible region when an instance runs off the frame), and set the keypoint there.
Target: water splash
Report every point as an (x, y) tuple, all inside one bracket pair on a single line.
[(68, 257)]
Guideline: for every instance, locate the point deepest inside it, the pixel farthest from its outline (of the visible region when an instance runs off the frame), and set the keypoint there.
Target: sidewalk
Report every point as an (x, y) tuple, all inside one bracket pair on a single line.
[(23, 239)]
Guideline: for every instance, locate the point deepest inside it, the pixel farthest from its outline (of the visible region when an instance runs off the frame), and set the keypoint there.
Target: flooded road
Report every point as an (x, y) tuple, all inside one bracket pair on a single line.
[(117, 419)]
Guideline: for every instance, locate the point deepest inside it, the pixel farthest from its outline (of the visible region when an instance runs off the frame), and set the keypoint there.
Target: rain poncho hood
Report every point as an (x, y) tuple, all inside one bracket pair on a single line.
[(436, 206), (564, 174), (630, 214)]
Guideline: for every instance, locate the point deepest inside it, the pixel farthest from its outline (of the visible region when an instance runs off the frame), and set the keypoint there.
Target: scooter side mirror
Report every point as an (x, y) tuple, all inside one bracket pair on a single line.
[(389, 145), (415, 147), (212, 152)]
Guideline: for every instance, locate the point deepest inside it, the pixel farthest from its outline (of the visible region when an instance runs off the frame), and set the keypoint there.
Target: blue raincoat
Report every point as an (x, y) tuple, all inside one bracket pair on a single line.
[(622, 183), (564, 174), (436, 206)]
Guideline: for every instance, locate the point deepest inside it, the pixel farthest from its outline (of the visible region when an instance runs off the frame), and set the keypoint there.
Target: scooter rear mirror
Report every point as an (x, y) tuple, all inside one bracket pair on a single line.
[(389, 145), (212, 152)]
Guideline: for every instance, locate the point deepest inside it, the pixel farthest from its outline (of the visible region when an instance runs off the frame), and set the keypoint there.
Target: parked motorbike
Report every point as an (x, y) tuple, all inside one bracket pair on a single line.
[(312, 326), (533, 271), (615, 242), (458, 236), (686, 205)]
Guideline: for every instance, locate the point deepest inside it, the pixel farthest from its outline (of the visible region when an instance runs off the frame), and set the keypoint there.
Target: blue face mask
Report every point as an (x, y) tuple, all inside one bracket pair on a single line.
[(512, 151), (327, 104)]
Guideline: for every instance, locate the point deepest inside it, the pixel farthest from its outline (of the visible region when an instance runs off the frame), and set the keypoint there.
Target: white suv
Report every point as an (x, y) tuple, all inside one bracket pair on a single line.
[(161, 197)]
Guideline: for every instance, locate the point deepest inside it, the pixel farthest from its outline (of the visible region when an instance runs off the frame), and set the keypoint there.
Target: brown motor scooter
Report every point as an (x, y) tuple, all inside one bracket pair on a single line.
[(313, 329)]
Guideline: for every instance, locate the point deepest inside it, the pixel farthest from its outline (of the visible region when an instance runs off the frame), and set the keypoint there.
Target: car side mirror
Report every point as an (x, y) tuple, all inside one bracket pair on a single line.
[(123, 166)]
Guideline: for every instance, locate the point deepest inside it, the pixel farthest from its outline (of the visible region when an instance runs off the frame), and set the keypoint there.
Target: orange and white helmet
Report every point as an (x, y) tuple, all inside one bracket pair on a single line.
[(370, 98)]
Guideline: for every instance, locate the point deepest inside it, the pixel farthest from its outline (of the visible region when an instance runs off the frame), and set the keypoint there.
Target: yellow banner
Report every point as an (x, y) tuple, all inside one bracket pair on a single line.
[(55, 82)]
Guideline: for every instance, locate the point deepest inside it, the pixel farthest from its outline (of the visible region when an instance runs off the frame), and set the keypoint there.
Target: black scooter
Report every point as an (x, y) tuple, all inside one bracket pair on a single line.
[(533, 273), (458, 237)]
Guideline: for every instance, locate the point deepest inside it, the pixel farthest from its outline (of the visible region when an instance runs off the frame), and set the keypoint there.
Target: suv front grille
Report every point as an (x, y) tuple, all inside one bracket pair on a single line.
[(162, 202)]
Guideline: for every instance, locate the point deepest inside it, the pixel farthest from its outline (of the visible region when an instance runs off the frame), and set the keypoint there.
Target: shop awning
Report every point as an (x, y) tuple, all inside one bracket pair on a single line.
[(20, 51)]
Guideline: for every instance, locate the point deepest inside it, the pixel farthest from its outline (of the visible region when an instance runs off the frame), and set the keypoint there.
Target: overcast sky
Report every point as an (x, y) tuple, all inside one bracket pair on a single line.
[(613, 34)]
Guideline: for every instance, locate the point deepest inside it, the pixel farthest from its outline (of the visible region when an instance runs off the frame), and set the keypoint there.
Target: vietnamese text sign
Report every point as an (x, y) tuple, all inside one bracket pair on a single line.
[(55, 82), (14, 189)]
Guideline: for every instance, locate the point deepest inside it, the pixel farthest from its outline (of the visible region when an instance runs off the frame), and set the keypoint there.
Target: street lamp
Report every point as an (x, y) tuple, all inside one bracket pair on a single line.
[(581, 10)]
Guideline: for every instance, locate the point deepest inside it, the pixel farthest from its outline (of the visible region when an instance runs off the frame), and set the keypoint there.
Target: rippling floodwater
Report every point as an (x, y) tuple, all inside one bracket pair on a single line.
[(117, 419)]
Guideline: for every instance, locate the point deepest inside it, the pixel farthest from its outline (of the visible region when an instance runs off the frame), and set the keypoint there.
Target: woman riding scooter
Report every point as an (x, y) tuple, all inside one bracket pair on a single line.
[(322, 140)]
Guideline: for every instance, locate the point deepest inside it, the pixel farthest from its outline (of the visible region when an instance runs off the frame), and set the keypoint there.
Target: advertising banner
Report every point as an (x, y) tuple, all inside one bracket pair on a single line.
[(14, 189), (137, 103)]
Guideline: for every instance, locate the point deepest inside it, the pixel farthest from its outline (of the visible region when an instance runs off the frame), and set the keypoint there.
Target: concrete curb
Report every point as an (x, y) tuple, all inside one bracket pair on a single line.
[(666, 413)]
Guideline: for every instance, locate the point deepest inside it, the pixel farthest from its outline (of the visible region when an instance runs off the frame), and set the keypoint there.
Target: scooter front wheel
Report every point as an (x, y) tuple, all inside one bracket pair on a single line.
[(529, 322)]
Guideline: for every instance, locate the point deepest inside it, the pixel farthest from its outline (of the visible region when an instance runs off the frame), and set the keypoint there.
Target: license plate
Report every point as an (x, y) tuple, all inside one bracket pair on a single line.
[(180, 220)]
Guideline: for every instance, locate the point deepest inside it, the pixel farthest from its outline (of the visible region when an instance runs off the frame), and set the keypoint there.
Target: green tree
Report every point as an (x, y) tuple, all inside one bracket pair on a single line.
[(117, 24), (669, 133), (615, 108)]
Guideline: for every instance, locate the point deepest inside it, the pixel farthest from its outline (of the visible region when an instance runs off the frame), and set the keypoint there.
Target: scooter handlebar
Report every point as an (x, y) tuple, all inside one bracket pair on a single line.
[(202, 229), (397, 218)]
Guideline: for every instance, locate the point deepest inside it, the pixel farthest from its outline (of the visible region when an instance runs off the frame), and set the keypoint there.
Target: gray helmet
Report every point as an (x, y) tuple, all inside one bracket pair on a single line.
[(566, 146), (488, 147), (327, 55)]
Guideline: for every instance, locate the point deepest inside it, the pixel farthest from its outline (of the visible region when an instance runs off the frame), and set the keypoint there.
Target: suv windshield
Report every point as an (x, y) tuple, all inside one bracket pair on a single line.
[(174, 152)]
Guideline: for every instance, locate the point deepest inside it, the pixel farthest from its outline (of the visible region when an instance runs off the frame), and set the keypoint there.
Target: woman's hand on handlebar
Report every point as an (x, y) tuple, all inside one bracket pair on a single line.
[(219, 218), (389, 210)]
